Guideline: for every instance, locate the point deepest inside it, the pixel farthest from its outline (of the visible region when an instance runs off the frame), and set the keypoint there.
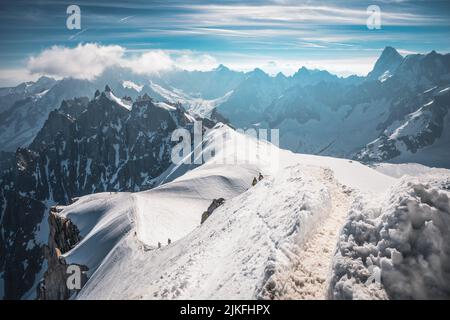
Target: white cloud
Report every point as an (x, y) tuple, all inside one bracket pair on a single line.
[(153, 61), (12, 77), (405, 52), (202, 62), (87, 61)]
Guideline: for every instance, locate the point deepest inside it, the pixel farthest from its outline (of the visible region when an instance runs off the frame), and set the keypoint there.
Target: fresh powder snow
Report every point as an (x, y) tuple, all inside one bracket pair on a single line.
[(273, 240)]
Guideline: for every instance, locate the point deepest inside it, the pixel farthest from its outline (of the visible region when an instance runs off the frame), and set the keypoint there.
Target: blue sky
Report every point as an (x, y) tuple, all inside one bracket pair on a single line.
[(279, 35)]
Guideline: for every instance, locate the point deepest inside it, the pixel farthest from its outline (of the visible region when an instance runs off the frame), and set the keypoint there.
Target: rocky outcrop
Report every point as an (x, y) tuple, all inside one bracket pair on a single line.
[(64, 235), (213, 206)]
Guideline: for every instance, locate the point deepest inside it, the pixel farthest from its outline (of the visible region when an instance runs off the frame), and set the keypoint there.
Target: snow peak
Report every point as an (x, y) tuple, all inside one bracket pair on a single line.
[(192, 310)]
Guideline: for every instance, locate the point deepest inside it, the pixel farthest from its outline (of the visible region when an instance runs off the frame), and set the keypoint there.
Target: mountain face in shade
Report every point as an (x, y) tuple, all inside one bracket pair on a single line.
[(20, 122), (249, 100), (418, 126), (421, 136), (103, 145), (323, 116), (386, 64), (8, 96), (304, 77)]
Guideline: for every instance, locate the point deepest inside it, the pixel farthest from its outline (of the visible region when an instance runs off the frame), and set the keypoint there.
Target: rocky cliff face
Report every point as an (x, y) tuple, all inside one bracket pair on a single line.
[(106, 144), (386, 65), (63, 236), (23, 204), (213, 206)]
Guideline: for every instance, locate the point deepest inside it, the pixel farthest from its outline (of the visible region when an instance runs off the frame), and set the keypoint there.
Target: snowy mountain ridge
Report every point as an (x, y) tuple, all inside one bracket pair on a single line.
[(84, 147), (256, 245)]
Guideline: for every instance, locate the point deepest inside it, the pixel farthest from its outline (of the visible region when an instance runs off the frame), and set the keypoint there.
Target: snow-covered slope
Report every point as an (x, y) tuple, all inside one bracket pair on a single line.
[(230, 256), (195, 105), (102, 220), (241, 249), (173, 210), (397, 246), (131, 85), (408, 169)]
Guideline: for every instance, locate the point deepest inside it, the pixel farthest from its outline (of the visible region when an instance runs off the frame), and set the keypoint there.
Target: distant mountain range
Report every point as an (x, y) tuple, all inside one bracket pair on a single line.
[(316, 112), (319, 113)]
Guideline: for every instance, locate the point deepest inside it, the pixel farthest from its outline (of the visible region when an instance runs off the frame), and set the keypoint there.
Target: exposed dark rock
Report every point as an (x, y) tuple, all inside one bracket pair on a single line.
[(389, 61), (64, 235), (213, 206)]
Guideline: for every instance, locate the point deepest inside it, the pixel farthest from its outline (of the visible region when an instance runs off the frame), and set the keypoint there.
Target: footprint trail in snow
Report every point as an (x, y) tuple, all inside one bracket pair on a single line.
[(310, 273)]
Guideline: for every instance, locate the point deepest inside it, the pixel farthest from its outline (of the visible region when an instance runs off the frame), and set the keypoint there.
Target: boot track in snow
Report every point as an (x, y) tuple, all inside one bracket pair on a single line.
[(308, 276)]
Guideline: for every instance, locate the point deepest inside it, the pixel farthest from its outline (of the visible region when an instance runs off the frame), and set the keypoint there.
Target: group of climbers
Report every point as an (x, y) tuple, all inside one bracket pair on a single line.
[(168, 242)]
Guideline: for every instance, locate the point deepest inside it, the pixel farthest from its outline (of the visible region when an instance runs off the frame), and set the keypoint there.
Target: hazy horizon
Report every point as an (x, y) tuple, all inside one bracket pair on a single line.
[(275, 36)]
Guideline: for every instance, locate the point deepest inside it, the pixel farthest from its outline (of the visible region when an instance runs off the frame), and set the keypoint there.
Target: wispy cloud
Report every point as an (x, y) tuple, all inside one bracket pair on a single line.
[(12, 77), (73, 37), (125, 18), (277, 15)]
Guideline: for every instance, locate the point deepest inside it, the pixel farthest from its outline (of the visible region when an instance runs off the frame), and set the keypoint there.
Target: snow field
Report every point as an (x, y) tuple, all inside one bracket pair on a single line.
[(174, 209), (232, 255), (272, 240), (102, 219)]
